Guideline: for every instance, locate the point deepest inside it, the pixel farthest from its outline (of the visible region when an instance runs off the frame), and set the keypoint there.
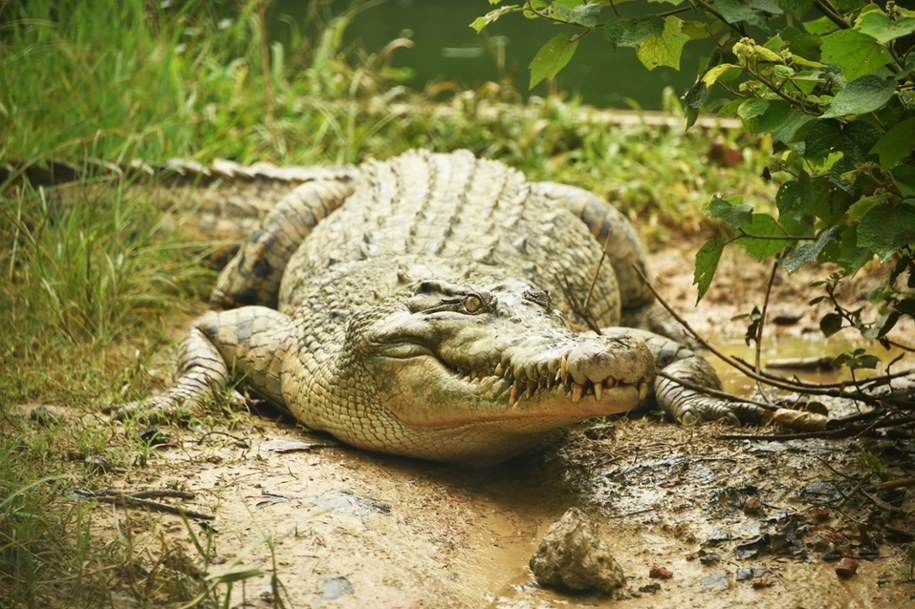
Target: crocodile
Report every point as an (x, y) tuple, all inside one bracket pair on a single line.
[(440, 306)]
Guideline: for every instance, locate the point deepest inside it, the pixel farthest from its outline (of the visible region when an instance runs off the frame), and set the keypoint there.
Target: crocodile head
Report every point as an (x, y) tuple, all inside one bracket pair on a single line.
[(467, 373)]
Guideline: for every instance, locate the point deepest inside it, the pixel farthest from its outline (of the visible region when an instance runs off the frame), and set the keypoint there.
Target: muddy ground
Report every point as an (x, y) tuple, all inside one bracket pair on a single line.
[(304, 522)]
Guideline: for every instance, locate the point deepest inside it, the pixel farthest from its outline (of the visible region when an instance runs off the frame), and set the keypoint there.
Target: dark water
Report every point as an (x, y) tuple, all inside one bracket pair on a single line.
[(447, 49)]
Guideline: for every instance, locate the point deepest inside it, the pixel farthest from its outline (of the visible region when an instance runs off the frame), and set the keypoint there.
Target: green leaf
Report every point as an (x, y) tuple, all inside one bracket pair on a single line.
[(863, 205), (878, 25), (885, 229), (711, 76), (760, 237), (753, 12), (481, 22), (735, 213), (820, 139), (585, 14), (904, 179), (783, 122), (631, 32), (750, 110), (663, 49), (854, 53), (792, 201), (861, 96), (552, 57), (830, 324), (859, 137), (706, 264), (896, 144), (810, 251), (826, 201)]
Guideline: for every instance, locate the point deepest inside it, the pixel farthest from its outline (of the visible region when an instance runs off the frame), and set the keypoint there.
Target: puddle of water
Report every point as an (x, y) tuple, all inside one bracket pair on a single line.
[(784, 347)]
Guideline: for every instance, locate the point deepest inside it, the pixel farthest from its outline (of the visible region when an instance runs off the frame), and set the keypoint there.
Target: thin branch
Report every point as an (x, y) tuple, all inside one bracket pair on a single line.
[(778, 382), (761, 326)]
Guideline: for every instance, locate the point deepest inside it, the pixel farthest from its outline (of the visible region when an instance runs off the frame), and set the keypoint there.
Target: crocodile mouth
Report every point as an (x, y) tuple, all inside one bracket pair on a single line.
[(522, 388)]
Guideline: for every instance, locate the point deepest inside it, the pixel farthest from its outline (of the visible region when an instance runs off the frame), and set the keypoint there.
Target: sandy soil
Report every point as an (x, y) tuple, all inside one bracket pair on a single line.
[(737, 523)]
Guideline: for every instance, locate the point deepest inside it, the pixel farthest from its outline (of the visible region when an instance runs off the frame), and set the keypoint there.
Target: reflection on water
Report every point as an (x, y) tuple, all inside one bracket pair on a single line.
[(785, 347)]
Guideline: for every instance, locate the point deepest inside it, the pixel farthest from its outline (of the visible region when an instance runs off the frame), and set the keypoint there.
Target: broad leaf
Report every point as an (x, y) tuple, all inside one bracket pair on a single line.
[(761, 237), (820, 139), (783, 121), (896, 144), (706, 264), (750, 110), (885, 230), (585, 14), (552, 57), (753, 12), (830, 324), (631, 32), (663, 49), (810, 251), (859, 137), (735, 213), (861, 96), (712, 75), (881, 28), (854, 53)]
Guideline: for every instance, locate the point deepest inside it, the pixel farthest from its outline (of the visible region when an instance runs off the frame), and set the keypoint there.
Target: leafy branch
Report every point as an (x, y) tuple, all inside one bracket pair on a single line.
[(833, 86)]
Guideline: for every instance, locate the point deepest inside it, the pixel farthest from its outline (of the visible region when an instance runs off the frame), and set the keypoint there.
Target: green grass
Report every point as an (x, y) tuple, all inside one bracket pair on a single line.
[(93, 285)]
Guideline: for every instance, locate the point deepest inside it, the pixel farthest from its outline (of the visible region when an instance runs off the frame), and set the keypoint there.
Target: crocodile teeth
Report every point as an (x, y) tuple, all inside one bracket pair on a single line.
[(498, 370), (598, 390), (643, 391), (531, 388), (513, 396), (577, 391), (564, 369)]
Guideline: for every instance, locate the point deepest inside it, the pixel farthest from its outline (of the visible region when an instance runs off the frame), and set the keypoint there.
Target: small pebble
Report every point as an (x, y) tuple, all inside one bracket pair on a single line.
[(660, 572), (846, 567), (752, 505)]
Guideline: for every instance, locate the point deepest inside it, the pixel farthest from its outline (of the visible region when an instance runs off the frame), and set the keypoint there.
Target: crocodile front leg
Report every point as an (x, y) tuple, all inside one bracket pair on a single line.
[(681, 403), (248, 344)]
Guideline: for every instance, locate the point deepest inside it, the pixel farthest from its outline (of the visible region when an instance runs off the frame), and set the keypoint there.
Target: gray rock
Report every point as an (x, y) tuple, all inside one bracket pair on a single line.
[(574, 555)]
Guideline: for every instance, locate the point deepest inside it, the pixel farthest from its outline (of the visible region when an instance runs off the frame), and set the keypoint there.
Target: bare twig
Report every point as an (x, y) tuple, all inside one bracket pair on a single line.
[(760, 326), (139, 500), (775, 381)]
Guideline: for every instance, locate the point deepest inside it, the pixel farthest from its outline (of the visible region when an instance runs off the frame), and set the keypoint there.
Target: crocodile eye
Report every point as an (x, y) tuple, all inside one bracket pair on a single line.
[(472, 304)]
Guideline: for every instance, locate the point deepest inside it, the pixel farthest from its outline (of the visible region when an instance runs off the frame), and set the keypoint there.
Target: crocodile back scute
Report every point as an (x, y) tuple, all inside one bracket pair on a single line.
[(472, 220)]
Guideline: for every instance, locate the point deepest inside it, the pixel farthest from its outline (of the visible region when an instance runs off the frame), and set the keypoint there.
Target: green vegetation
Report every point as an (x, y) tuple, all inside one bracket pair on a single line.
[(833, 85)]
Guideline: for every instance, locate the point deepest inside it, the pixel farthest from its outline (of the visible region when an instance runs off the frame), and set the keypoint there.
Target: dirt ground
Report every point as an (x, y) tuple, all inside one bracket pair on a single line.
[(724, 523)]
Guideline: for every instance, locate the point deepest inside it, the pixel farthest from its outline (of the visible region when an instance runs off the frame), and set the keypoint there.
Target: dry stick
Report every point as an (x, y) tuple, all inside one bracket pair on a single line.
[(603, 255), (746, 369), (840, 428), (135, 500)]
